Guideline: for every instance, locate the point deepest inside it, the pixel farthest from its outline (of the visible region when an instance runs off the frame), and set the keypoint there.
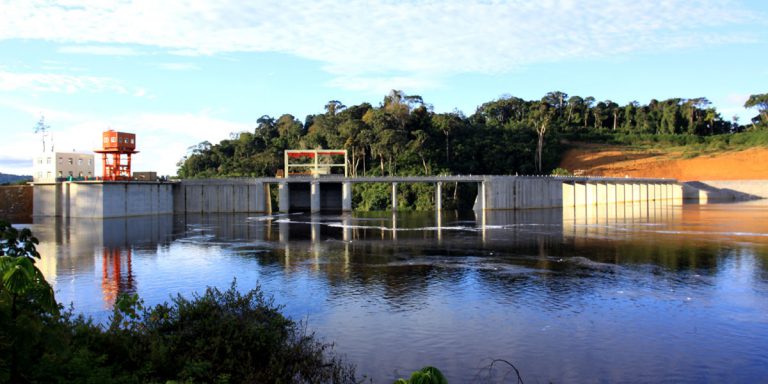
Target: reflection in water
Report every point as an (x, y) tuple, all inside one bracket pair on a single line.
[(627, 293), (116, 275), (98, 246)]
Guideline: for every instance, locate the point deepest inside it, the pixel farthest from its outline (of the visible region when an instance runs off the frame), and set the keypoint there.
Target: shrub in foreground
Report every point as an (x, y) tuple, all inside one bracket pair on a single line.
[(217, 337)]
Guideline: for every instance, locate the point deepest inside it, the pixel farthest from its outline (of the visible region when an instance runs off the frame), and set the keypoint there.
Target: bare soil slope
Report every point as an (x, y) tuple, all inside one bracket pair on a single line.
[(616, 161)]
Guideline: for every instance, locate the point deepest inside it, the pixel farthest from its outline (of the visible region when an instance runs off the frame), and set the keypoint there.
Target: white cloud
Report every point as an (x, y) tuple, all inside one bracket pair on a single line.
[(178, 66), (162, 139), (106, 50), (371, 39), (58, 83)]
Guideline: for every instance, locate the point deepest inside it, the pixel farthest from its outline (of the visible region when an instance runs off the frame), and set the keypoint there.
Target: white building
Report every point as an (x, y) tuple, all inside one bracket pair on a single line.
[(49, 166)]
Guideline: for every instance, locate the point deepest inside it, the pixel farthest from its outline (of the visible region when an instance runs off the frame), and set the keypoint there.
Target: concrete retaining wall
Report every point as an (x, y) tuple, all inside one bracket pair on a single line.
[(725, 190), (513, 192), (15, 201), (102, 200), (219, 196)]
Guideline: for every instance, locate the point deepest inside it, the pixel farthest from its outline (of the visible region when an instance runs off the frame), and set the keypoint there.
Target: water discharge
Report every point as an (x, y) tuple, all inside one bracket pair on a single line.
[(600, 294)]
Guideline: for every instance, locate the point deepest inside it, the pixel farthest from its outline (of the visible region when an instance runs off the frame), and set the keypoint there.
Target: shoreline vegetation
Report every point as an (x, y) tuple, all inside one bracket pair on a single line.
[(214, 337), (404, 136)]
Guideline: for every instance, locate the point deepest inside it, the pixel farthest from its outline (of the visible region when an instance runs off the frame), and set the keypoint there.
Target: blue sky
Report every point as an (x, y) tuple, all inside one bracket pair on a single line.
[(180, 72)]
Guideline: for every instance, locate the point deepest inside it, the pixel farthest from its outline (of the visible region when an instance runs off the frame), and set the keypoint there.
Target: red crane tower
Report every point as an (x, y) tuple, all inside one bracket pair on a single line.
[(117, 148)]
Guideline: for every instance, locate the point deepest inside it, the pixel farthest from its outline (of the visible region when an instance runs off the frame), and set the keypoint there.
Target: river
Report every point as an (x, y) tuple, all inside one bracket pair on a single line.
[(651, 293)]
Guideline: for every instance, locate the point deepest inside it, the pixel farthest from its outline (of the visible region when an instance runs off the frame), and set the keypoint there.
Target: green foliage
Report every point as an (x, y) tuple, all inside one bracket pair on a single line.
[(404, 136), (560, 172), (426, 375), (216, 337)]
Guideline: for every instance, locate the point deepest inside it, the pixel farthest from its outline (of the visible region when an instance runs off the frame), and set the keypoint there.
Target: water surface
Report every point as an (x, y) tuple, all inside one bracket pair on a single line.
[(625, 293)]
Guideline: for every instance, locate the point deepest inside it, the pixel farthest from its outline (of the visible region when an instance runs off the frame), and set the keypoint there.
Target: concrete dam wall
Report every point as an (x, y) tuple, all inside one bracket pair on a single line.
[(253, 195)]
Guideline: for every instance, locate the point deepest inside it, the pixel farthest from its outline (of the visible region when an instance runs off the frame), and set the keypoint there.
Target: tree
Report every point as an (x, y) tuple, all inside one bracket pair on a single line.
[(588, 101), (41, 128), (23, 284), (542, 116), (448, 124), (761, 102), (333, 107)]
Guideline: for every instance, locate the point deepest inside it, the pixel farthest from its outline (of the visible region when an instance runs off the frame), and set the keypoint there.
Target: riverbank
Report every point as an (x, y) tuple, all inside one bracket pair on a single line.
[(620, 161)]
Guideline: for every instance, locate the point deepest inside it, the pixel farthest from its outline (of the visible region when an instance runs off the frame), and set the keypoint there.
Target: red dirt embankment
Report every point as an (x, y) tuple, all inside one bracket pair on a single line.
[(615, 161)]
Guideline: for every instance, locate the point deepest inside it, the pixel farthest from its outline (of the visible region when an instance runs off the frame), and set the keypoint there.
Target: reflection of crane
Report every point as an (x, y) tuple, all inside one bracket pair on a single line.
[(114, 279), (41, 128)]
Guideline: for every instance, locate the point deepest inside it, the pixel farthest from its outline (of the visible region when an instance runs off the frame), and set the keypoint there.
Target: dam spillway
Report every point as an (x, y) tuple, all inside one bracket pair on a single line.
[(315, 194)]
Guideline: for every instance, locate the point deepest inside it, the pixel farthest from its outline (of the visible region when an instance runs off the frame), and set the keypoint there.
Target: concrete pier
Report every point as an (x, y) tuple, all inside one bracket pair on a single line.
[(283, 197), (346, 196), (394, 196), (314, 196)]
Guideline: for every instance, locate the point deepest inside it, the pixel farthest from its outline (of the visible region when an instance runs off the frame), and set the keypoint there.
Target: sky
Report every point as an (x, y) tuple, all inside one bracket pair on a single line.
[(177, 73)]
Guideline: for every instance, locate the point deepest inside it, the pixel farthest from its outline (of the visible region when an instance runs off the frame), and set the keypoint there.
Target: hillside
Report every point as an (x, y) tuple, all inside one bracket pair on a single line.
[(620, 161), (9, 179)]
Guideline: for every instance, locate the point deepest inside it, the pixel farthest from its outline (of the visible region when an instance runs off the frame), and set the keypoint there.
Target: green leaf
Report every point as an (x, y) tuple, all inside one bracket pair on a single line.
[(20, 276)]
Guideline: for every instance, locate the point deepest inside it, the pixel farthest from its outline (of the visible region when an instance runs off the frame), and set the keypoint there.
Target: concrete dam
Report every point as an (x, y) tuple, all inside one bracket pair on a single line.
[(333, 193)]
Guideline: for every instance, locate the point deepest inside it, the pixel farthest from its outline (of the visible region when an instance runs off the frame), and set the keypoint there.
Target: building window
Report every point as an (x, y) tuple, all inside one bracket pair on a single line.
[(48, 175), (106, 139), (40, 160), (70, 173), (39, 175), (60, 174), (114, 139), (47, 160), (71, 161), (90, 161), (60, 160), (133, 141), (79, 161), (80, 175)]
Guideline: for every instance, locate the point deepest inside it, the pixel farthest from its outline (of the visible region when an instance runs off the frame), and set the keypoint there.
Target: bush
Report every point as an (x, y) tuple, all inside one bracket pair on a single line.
[(216, 337)]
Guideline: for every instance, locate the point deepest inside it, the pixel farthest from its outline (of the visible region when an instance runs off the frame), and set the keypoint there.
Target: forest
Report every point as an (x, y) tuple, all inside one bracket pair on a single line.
[(404, 136)]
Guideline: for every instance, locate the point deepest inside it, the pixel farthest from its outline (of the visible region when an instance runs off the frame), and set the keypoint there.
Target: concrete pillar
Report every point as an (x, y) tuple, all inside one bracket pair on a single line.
[(314, 197), (579, 194), (602, 193), (283, 197), (346, 196), (591, 193), (481, 191), (611, 193), (438, 196), (258, 198), (620, 190), (394, 196), (267, 199), (677, 194), (568, 191)]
